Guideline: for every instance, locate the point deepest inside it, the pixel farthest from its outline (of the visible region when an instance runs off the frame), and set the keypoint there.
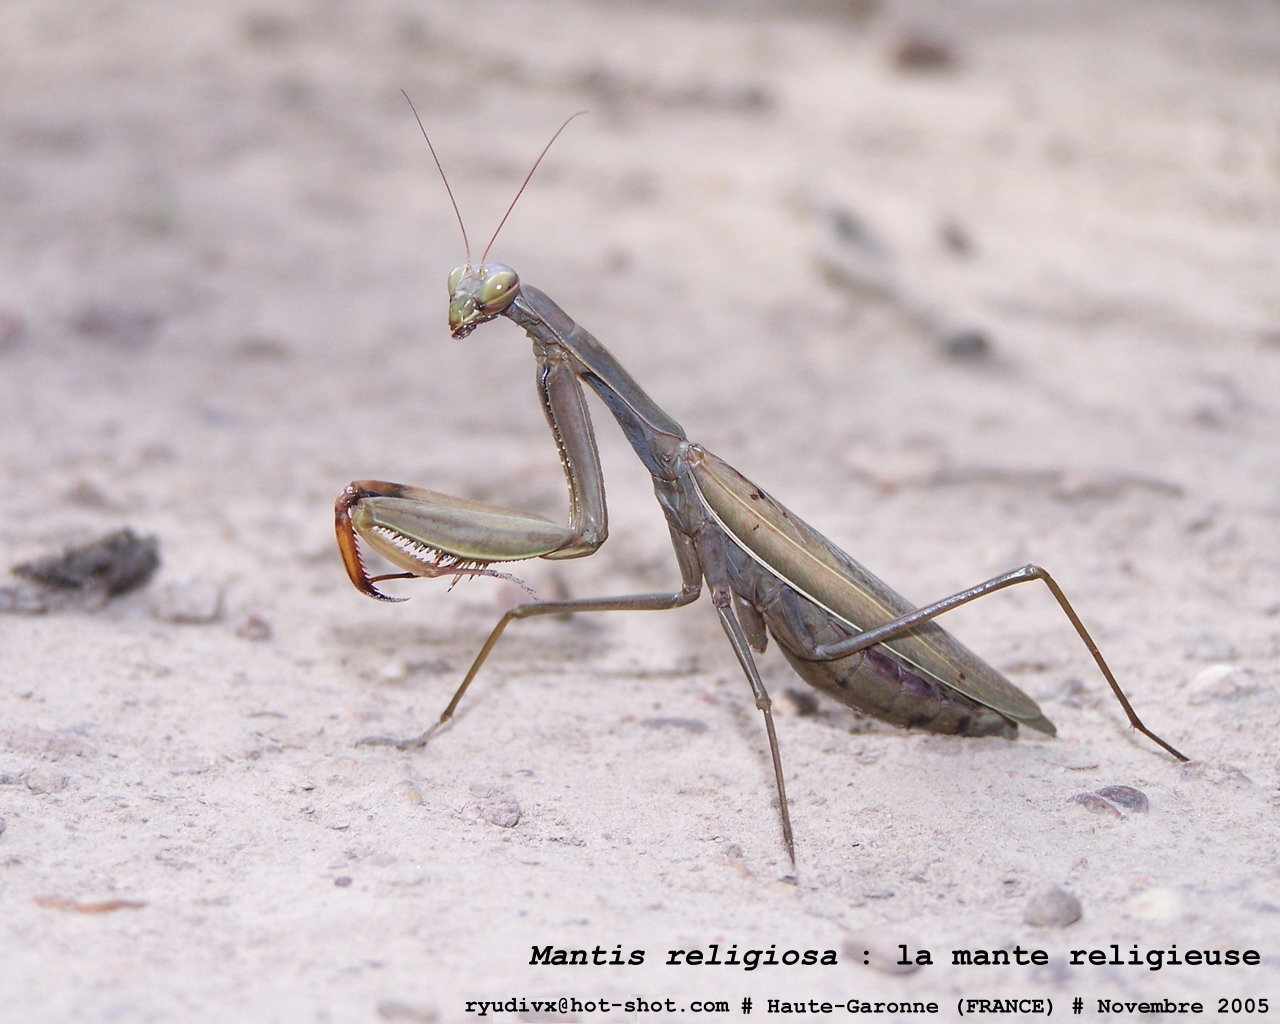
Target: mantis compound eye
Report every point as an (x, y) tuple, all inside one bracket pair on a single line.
[(498, 286)]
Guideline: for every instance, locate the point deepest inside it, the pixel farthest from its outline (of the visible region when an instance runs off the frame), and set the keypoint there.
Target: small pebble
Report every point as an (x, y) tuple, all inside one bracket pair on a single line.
[(46, 779), (188, 602), (1052, 907), (693, 726), (880, 951), (1157, 904), (1096, 804), (924, 53), (88, 494), (1133, 800), (967, 343), (502, 811), (253, 627), (1217, 772), (113, 564), (955, 237), (1221, 682), (394, 671), (117, 323)]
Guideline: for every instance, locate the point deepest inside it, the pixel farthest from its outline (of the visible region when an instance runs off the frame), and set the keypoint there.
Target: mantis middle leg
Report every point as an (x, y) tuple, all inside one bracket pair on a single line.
[(691, 588)]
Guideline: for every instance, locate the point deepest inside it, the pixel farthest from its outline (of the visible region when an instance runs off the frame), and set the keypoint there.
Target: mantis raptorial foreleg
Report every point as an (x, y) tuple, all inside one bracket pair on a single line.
[(424, 533)]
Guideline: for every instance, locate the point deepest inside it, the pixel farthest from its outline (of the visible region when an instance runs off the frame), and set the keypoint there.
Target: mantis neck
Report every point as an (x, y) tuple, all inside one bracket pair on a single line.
[(650, 431)]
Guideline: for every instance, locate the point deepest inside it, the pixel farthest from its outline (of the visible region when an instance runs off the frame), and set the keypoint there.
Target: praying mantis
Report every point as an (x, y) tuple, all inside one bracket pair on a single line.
[(769, 574)]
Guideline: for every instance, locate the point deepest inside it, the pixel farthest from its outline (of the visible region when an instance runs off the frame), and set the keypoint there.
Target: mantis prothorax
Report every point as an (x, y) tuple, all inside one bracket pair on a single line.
[(770, 574)]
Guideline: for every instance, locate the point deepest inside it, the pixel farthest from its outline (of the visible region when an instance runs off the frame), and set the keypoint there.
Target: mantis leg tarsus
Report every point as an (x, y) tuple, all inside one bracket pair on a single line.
[(788, 838), (1035, 572)]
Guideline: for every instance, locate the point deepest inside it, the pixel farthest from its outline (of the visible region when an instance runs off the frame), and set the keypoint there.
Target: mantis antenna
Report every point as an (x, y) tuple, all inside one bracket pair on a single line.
[(527, 177), (466, 244)]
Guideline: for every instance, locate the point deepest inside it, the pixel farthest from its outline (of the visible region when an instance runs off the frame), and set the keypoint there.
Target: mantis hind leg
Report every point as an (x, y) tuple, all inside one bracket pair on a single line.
[(1025, 574)]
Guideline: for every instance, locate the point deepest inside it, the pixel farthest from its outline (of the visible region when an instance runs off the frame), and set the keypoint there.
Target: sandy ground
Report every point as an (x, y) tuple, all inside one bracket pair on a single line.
[(222, 297)]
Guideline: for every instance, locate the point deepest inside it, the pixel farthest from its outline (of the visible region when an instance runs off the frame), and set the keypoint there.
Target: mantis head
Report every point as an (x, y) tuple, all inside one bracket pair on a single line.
[(481, 292), (478, 294)]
